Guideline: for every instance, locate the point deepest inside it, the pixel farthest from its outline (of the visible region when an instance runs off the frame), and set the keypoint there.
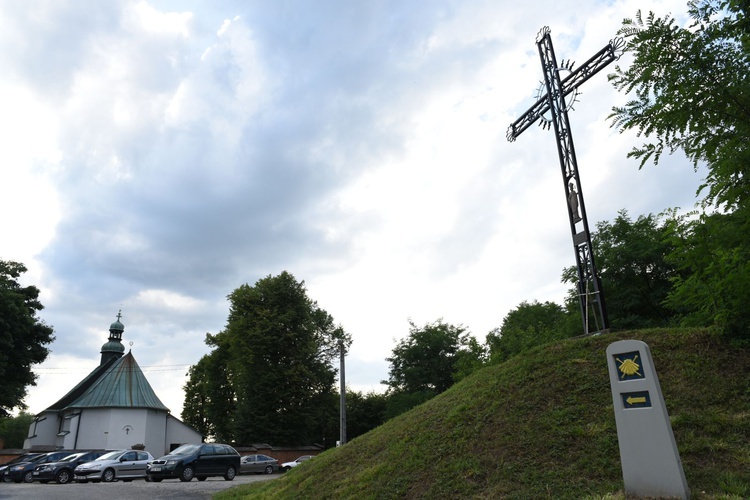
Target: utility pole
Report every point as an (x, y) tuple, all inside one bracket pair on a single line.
[(552, 99), (342, 401)]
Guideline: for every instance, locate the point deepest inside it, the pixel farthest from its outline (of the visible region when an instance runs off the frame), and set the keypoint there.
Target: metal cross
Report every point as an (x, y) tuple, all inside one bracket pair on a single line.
[(553, 101)]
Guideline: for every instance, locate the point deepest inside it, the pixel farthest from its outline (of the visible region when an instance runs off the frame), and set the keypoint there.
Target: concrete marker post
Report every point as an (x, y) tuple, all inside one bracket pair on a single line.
[(651, 464)]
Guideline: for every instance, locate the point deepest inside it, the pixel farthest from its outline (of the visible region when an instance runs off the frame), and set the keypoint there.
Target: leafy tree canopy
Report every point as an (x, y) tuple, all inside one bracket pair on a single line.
[(13, 431), (526, 326), (690, 90), (364, 412), (271, 376), (427, 362), (209, 395), (23, 336), (636, 276), (712, 254)]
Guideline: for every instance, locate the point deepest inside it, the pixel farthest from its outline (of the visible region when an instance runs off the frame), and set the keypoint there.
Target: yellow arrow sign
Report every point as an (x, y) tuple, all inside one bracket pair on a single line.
[(636, 400)]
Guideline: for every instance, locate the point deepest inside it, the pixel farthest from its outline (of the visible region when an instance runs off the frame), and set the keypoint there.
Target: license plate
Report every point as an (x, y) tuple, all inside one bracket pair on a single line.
[(155, 469), (36, 473)]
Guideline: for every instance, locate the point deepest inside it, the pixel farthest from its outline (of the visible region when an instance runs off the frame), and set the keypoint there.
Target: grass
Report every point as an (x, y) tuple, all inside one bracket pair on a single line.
[(541, 425)]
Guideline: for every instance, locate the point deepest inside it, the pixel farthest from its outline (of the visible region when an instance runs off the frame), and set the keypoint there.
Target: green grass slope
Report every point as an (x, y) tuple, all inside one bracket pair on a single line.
[(542, 426)]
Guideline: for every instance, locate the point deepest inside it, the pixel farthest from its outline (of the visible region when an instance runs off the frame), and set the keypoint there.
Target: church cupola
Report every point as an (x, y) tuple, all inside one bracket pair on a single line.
[(114, 348)]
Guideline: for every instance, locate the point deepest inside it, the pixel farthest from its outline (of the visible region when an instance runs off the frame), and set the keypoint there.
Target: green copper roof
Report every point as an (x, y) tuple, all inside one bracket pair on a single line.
[(120, 385), (113, 346), (117, 325)]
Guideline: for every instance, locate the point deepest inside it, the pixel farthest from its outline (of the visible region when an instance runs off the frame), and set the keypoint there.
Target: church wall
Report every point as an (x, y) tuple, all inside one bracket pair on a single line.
[(109, 429), (43, 431), (180, 433), (155, 432), (69, 428), (127, 427), (93, 429)]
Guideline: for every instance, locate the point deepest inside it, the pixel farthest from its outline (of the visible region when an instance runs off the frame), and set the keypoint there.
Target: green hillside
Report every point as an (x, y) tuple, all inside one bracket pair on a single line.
[(542, 426)]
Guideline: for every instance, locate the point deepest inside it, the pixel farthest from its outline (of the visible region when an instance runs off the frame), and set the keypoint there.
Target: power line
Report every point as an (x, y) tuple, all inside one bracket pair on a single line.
[(68, 370)]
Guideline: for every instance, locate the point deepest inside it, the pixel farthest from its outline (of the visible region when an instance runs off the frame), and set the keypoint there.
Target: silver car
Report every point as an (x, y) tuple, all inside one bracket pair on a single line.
[(119, 464), (258, 464)]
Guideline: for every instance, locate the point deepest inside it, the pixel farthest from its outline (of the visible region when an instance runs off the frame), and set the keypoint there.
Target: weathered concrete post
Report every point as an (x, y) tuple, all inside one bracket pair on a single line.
[(651, 465)]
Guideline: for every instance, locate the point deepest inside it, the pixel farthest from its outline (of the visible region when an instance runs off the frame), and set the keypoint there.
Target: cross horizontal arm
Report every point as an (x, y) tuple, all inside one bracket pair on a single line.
[(611, 52)]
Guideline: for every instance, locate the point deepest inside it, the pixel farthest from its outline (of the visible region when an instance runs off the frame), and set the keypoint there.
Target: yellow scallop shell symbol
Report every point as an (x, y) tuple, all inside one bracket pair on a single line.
[(629, 367)]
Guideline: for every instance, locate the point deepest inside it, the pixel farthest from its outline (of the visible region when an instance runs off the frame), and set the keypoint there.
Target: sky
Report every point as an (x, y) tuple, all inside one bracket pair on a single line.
[(156, 155)]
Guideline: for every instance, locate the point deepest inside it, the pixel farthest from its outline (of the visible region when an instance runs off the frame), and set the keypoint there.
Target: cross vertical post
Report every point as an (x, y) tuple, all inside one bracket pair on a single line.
[(553, 101)]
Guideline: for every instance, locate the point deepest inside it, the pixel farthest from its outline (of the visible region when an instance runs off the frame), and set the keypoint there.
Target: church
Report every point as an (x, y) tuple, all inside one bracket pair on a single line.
[(114, 407)]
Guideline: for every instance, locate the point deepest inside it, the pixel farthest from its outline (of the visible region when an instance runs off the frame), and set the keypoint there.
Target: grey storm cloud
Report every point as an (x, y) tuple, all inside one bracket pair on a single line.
[(190, 147)]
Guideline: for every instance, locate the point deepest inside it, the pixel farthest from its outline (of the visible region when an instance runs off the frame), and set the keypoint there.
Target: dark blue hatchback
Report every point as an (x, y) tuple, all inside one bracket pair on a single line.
[(196, 460)]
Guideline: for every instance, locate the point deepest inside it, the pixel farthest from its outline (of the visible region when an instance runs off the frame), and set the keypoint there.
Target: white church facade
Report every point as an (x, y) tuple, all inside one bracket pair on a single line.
[(114, 407)]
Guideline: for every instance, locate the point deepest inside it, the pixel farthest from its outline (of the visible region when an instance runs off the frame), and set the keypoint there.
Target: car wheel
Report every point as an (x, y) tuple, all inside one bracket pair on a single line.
[(108, 475), (156, 479), (269, 470), (7, 479), (202, 478), (231, 473), (187, 474), (28, 477), (63, 477)]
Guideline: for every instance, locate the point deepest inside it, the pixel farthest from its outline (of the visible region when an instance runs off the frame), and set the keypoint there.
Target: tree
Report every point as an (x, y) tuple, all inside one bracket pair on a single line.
[(23, 336), (425, 363), (712, 253), (691, 91), (364, 412), (209, 395), (276, 354), (13, 431), (470, 358), (636, 276), (526, 326)]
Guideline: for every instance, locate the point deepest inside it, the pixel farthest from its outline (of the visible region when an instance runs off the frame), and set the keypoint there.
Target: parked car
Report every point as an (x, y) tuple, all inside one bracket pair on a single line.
[(24, 471), (119, 464), (196, 460), (26, 457), (258, 464), (288, 465), (62, 472)]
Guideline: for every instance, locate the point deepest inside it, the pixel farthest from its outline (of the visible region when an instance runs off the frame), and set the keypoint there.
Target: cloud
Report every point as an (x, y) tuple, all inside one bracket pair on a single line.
[(169, 152)]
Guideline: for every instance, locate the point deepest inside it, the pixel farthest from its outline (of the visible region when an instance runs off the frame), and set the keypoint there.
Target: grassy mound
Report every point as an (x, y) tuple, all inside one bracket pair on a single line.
[(542, 425)]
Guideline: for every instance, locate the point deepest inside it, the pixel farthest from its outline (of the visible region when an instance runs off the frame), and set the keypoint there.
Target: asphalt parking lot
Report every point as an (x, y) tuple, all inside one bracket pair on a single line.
[(135, 490)]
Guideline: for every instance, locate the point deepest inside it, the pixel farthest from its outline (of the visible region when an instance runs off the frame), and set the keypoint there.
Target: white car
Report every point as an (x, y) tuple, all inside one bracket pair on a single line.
[(288, 465), (119, 464)]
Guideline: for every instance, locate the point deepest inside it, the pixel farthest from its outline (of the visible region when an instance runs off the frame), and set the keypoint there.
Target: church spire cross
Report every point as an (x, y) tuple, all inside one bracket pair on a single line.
[(552, 100)]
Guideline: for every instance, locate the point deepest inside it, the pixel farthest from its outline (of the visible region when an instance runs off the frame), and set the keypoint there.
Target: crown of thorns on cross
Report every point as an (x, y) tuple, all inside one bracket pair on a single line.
[(612, 52)]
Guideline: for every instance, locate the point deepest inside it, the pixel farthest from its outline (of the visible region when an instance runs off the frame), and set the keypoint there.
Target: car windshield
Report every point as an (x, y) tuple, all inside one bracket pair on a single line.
[(186, 449), (70, 458), (22, 458), (112, 455)]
